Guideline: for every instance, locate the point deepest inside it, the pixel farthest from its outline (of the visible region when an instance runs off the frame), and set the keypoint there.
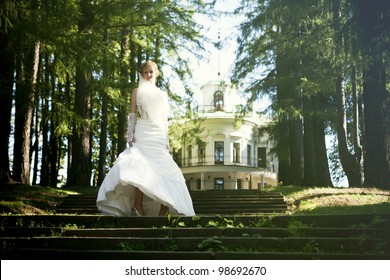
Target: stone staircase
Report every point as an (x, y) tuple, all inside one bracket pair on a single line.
[(230, 202), (204, 237), (229, 225), (225, 202)]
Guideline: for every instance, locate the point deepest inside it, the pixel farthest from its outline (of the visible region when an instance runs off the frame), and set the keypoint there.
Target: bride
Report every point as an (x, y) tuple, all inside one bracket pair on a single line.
[(144, 179)]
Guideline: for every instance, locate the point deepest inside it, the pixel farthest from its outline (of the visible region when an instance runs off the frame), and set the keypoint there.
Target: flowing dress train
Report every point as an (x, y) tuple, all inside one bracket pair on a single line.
[(148, 166)]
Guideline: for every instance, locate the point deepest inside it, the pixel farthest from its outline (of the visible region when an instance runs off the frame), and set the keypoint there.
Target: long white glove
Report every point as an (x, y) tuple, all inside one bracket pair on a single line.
[(131, 129)]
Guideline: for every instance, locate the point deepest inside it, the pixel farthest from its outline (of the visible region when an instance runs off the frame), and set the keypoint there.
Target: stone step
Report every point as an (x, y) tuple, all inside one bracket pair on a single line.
[(239, 211), (238, 195), (352, 245), (198, 210), (203, 237), (238, 202), (278, 220), (208, 193), (53, 254), (80, 211), (83, 201), (195, 203), (240, 205), (230, 191), (199, 201), (205, 202), (378, 233)]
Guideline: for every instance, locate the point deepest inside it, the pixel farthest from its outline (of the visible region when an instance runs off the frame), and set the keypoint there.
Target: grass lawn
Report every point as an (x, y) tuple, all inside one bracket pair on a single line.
[(327, 200), (30, 200)]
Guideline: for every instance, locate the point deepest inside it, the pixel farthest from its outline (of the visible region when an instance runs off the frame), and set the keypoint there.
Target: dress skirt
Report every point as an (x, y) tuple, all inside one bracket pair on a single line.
[(148, 166)]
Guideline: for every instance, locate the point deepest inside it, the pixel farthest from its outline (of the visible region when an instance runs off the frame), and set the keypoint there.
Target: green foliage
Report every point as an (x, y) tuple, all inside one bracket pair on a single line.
[(185, 129), (331, 200), (7, 8), (211, 244), (293, 52), (175, 222), (294, 228), (262, 221), (106, 40), (130, 247)]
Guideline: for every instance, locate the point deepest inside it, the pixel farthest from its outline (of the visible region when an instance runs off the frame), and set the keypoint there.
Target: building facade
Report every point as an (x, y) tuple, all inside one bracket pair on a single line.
[(229, 156)]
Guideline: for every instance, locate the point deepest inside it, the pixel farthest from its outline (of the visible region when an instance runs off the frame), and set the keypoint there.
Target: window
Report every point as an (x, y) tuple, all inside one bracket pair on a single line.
[(199, 184), (218, 183), (189, 155), (218, 100), (202, 153), (177, 157), (262, 157), (236, 152), (249, 154), (219, 156), (239, 184)]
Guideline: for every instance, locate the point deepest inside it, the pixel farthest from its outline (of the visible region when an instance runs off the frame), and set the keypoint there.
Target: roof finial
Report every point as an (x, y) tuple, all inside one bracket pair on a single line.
[(219, 53)]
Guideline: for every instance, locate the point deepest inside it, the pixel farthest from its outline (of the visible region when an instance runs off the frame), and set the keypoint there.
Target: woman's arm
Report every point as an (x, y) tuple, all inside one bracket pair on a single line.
[(133, 101), (132, 118)]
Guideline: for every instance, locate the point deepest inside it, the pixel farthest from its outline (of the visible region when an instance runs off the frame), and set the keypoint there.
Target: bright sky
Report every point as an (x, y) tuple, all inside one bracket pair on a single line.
[(223, 60), (215, 60), (218, 60)]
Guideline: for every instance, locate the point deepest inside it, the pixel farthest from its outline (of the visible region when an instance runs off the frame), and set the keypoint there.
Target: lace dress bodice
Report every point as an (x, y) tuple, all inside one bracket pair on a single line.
[(143, 115), (152, 104)]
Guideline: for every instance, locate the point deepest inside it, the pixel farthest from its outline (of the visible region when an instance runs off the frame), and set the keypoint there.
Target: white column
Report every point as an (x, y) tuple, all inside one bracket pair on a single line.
[(262, 182), (254, 158), (228, 147)]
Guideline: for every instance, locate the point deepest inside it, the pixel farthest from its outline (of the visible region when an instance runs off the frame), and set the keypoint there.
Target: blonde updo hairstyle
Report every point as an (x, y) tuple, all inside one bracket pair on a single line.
[(149, 64)]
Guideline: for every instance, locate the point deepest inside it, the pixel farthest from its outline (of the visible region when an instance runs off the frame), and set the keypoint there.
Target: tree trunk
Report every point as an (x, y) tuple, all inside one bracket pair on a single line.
[(123, 107), (373, 18), (316, 171), (27, 59), (45, 128), (316, 161), (101, 172), (356, 113), (7, 56), (321, 157), (20, 93), (103, 141), (54, 140), (296, 151), (68, 100), (53, 156), (283, 153), (80, 170), (24, 104), (35, 146), (309, 153), (290, 134), (350, 162), (376, 136), (26, 145)]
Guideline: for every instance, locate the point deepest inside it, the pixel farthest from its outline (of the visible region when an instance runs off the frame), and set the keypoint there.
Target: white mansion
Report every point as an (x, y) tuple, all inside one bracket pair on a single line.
[(230, 158)]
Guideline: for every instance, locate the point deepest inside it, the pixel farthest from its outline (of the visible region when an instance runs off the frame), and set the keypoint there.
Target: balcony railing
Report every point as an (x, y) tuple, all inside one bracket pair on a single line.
[(212, 109), (208, 161)]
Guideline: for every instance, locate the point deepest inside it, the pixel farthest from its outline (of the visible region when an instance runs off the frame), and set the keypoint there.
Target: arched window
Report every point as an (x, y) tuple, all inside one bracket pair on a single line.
[(236, 153), (219, 152), (218, 100)]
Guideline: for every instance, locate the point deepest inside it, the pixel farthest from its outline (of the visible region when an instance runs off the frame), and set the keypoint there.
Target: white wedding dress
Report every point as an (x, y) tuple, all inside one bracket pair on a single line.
[(146, 165)]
